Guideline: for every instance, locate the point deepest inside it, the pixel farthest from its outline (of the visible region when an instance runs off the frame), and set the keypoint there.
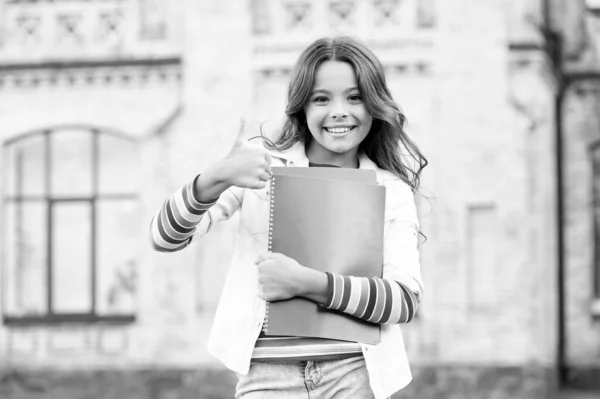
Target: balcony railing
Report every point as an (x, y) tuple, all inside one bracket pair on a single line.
[(84, 30), (282, 28)]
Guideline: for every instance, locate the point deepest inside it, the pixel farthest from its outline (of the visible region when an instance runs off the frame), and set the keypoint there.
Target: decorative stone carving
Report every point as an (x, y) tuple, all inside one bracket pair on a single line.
[(274, 73), (386, 12), (27, 28), (91, 29), (110, 26), (415, 68), (68, 28), (297, 15), (395, 69), (125, 76), (342, 13)]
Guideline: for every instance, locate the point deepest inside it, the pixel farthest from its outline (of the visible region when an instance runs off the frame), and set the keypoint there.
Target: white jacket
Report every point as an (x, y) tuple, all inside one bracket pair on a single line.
[(240, 312)]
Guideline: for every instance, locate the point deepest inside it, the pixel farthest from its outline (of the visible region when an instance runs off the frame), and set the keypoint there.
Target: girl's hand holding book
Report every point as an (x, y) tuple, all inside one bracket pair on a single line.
[(281, 277), (246, 166)]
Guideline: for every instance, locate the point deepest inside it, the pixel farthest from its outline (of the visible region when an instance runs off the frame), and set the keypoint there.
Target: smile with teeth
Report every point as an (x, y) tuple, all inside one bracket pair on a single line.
[(344, 129)]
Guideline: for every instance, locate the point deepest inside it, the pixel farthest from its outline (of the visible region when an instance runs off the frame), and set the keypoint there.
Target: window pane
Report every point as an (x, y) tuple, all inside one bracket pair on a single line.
[(71, 163), (71, 257), (118, 165), (118, 234), (25, 258), (24, 167)]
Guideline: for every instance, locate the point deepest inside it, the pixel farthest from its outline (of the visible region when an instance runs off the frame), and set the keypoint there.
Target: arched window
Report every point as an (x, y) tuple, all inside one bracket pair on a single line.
[(595, 154), (70, 226)]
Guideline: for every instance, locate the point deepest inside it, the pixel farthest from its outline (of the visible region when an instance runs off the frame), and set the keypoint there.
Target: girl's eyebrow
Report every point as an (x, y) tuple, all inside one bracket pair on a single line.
[(328, 92)]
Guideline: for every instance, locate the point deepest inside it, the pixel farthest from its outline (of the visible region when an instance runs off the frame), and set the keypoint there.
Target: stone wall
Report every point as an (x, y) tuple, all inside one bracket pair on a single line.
[(447, 382), (483, 114)]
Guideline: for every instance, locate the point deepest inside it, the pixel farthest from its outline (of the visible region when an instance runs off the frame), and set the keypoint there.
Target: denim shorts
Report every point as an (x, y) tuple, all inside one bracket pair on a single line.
[(330, 379)]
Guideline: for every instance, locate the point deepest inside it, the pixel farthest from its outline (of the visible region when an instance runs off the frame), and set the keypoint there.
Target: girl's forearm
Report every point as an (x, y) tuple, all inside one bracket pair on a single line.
[(374, 299), (211, 184), (173, 225)]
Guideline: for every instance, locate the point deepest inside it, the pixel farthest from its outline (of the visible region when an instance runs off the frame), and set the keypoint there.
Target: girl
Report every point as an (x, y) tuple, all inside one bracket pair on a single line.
[(340, 113)]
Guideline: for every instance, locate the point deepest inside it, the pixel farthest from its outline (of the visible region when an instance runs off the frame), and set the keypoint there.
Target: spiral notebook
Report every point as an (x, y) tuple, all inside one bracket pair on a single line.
[(329, 224), (367, 176)]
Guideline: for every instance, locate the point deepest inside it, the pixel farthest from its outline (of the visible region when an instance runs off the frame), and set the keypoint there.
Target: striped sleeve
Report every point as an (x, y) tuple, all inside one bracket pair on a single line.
[(175, 222), (373, 299)]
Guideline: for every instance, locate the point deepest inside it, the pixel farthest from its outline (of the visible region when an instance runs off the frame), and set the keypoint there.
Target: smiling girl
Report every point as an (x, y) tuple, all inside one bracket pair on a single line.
[(340, 113)]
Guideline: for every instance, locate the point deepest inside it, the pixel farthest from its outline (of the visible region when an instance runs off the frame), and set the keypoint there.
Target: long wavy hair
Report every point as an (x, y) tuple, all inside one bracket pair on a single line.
[(387, 144)]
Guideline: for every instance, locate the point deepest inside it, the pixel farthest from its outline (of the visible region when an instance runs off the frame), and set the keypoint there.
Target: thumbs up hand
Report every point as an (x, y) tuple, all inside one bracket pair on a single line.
[(246, 165)]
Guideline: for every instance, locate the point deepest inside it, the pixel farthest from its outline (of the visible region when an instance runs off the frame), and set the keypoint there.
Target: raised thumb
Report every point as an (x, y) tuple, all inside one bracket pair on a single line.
[(241, 137)]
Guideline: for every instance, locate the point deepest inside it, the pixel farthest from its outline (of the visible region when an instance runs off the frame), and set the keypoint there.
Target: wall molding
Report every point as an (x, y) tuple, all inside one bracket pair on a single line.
[(120, 73)]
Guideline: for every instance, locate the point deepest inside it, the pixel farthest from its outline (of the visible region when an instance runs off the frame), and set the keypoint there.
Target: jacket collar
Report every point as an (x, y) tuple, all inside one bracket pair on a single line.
[(296, 156), (293, 156)]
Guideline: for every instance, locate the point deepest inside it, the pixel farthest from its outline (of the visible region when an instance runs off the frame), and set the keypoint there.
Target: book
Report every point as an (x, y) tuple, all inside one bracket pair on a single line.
[(367, 176), (328, 224)]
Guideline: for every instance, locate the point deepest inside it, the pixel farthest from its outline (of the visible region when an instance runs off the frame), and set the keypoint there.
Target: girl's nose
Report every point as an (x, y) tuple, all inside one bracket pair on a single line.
[(338, 111), (339, 115)]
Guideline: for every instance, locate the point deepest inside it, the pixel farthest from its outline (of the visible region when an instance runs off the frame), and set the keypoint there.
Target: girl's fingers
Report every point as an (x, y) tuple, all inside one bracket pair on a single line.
[(264, 177), (261, 294), (241, 134), (258, 185), (261, 258), (266, 256)]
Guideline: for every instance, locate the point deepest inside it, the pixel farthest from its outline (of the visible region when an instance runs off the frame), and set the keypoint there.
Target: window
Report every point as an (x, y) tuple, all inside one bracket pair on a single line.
[(70, 227), (595, 153)]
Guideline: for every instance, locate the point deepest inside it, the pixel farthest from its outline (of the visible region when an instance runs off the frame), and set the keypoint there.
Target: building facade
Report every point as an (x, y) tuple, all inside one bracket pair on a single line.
[(107, 107)]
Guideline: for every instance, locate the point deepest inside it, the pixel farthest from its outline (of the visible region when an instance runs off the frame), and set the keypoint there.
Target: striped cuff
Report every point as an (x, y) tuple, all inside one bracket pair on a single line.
[(174, 224), (204, 205), (374, 299)]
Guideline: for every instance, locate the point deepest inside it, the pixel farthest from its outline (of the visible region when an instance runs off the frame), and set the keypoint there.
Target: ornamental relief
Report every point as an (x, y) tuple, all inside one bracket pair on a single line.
[(80, 29), (326, 15), (399, 30), (65, 27), (422, 68), (121, 76), (27, 29), (386, 12), (342, 13), (69, 29), (298, 16)]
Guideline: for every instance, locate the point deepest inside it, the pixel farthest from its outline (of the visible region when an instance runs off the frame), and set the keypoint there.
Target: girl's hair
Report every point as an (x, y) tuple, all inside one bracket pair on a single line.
[(387, 144)]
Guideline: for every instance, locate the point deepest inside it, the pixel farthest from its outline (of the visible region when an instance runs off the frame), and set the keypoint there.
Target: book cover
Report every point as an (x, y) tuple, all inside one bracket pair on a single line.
[(328, 225)]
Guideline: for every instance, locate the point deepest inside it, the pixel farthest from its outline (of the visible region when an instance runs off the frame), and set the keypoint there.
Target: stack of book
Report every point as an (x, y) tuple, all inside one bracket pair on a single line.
[(328, 219)]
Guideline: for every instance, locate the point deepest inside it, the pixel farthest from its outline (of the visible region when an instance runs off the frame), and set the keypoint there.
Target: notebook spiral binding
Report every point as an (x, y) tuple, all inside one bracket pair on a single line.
[(271, 194)]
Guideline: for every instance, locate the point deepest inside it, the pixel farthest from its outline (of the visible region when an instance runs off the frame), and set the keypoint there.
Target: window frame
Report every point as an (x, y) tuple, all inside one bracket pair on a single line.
[(50, 316), (594, 151)]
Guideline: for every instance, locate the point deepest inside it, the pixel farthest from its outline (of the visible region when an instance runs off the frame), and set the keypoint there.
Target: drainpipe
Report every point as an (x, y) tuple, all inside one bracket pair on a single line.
[(554, 50), (565, 80), (562, 334)]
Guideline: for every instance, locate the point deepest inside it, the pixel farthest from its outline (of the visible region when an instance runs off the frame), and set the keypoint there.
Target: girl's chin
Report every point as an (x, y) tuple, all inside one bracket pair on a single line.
[(339, 149)]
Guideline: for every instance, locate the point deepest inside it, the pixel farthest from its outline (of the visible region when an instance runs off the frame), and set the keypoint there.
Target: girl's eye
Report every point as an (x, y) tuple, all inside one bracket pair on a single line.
[(355, 97), (320, 100)]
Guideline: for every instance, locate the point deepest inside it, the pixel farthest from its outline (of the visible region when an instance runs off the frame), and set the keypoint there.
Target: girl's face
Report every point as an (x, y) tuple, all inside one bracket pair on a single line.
[(336, 116)]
